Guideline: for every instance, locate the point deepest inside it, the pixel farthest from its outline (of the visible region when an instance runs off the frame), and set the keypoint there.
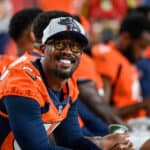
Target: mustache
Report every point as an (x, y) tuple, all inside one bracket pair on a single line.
[(70, 57)]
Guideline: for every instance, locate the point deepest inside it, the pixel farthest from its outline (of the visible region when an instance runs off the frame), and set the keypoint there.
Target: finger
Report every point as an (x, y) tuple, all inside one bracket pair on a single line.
[(121, 136), (130, 145), (119, 146)]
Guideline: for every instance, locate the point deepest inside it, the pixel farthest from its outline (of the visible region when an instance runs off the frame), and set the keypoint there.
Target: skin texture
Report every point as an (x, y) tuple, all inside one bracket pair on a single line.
[(89, 95), (57, 72), (113, 142), (25, 42), (146, 145)]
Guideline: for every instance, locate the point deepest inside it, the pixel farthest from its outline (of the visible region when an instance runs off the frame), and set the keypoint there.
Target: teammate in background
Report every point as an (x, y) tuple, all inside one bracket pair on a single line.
[(144, 64), (46, 93), (91, 93), (20, 32), (115, 63)]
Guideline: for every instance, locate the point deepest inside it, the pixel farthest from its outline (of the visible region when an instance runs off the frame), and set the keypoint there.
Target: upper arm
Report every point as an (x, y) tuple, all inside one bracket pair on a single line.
[(25, 122), (69, 128), (107, 89), (69, 133), (88, 90)]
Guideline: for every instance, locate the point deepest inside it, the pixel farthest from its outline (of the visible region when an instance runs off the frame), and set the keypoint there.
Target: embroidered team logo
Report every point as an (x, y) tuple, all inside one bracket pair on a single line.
[(70, 24)]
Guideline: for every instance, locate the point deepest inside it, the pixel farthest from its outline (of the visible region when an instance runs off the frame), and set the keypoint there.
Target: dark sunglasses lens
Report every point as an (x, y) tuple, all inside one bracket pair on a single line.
[(76, 47), (59, 45)]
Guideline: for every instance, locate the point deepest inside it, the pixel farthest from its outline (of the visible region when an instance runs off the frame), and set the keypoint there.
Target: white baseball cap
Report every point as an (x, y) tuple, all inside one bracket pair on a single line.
[(64, 26)]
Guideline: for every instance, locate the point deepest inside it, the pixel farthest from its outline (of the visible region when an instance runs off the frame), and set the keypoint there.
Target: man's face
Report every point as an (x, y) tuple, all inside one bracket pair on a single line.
[(136, 47), (62, 56)]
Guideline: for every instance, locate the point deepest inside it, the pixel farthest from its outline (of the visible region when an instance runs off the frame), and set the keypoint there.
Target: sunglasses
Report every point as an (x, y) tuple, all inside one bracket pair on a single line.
[(60, 45)]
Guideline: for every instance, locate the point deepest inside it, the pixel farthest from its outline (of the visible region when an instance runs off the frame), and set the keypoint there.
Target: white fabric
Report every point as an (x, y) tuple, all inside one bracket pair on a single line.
[(54, 27)]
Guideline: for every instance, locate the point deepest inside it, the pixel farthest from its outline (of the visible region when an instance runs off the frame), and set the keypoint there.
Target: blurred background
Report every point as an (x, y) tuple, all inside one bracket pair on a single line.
[(104, 16)]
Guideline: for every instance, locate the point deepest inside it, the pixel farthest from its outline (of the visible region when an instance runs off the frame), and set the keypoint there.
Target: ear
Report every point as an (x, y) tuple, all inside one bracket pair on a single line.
[(32, 36)]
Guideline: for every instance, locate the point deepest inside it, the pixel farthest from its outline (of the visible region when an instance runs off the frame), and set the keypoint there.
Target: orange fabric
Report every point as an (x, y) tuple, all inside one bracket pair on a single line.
[(5, 60), (3, 114), (8, 143), (55, 5), (85, 23), (37, 51), (127, 89), (147, 52), (87, 70), (26, 75), (71, 6), (80, 121)]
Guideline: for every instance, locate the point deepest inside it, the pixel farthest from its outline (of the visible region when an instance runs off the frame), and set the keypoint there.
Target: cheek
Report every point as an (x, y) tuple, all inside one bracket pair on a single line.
[(78, 59), (49, 49), (49, 52)]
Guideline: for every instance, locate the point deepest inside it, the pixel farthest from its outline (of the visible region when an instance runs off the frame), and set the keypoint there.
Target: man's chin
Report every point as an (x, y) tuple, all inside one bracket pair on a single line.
[(62, 74)]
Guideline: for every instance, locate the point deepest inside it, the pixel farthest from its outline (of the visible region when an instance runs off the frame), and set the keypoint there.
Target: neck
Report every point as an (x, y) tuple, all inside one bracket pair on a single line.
[(55, 83), (21, 51)]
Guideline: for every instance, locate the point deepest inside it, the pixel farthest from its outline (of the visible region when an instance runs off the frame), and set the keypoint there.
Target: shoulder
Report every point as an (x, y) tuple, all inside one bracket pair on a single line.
[(19, 79)]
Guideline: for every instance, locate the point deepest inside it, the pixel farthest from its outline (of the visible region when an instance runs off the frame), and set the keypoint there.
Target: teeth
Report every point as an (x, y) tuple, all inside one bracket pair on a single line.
[(64, 61)]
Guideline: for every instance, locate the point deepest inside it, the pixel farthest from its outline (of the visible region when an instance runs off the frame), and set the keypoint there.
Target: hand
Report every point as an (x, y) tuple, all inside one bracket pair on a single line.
[(146, 145), (116, 142), (123, 146), (112, 142), (96, 140)]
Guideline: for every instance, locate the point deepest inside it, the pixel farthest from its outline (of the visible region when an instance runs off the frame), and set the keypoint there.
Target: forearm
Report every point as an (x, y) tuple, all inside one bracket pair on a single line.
[(91, 98), (131, 109), (26, 124), (69, 134)]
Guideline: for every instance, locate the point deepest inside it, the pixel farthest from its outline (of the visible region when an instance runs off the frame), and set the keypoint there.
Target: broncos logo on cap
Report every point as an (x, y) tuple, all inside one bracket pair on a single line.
[(70, 24)]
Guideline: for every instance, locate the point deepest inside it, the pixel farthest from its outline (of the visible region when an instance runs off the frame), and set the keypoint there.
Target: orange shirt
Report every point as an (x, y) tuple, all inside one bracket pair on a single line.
[(122, 74), (18, 80), (87, 71), (147, 52), (5, 60), (55, 5)]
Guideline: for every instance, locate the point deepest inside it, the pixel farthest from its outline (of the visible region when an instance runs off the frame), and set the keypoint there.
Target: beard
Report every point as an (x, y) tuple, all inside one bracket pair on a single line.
[(61, 74)]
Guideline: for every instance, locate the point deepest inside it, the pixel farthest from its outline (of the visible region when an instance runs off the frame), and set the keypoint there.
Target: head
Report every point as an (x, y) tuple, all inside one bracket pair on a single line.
[(134, 36), (85, 23), (40, 23), (63, 42), (143, 9), (20, 28)]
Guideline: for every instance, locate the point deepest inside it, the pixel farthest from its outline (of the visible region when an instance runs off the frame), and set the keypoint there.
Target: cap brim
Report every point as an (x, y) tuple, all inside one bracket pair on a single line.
[(79, 37)]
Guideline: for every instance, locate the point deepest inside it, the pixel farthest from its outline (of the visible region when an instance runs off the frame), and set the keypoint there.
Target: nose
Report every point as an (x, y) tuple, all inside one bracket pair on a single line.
[(67, 49)]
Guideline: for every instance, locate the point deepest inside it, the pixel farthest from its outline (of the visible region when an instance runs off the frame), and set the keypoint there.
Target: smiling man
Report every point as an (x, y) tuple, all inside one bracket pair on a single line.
[(45, 94)]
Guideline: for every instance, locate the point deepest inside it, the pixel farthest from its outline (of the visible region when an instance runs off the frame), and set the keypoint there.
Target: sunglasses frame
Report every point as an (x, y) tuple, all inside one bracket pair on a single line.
[(65, 45)]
